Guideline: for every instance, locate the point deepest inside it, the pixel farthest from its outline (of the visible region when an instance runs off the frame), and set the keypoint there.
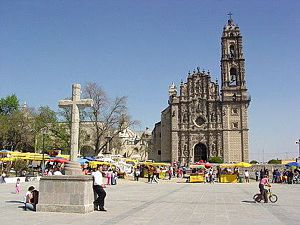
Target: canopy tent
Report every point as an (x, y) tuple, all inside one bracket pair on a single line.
[(136, 156), (35, 157), (9, 159), (195, 166), (4, 151), (63, 156), (89, 158), (116, 156), (155, 163), (58, 159), (240, 164), (243, 164), (27, 156), (293, 164), (207, 165), (227, 165), (82, 161), (94, 164)]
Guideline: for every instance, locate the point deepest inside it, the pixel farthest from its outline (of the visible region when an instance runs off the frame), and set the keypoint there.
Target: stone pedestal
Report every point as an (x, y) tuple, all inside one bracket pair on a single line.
[(73, 168), (67, 194)]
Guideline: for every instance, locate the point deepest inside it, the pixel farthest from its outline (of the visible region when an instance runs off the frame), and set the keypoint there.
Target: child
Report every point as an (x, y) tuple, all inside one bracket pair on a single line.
[(18, 186)]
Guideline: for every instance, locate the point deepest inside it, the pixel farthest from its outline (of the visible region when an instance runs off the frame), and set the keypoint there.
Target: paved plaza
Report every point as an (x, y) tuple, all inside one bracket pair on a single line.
[(169, 202)]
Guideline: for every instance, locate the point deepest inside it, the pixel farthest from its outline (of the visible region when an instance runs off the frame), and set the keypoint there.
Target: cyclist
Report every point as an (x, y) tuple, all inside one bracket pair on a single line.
[(264, 181)]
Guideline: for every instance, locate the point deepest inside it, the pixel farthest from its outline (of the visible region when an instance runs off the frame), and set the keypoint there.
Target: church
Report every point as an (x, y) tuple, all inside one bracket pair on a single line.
[(205, 119)]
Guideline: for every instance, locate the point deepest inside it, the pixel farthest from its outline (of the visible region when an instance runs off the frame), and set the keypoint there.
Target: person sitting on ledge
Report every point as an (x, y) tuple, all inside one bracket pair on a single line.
[(31, 198)]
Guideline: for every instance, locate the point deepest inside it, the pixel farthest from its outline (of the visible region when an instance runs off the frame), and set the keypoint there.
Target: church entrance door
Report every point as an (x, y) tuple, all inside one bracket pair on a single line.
[(200, 152)]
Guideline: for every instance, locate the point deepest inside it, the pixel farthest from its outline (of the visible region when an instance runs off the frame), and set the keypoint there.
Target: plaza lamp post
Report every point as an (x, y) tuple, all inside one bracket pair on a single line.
[(44, 131), (108, 138), (298, 143)]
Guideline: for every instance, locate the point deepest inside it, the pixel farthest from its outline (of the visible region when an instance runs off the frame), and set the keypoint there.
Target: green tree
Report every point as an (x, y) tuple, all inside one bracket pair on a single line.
[(9, 104), (274, 161), (19, 165), (44, 119), (253, 162), (16, 131), (215, 159)]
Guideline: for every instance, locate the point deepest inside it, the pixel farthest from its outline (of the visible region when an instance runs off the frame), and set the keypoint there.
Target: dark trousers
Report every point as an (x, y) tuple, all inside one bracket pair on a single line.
[(263, 192), (100, 195)]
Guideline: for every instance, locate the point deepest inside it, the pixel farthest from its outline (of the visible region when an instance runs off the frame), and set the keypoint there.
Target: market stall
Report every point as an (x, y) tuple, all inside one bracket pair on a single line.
[(197, 174), (228, 173), (160, 166)]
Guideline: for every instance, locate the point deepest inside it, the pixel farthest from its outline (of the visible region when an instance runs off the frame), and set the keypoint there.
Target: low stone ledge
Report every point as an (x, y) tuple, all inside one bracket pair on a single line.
[(66, 193), (68, 177), (65, 208)]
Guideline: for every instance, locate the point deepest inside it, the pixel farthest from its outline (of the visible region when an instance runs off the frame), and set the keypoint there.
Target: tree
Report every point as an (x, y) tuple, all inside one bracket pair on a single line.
[(44, 120), (215, 159), (9, 104), (253, 162), (274, 161), (109, 117), (19, 165), (17, 131), (62, 130)]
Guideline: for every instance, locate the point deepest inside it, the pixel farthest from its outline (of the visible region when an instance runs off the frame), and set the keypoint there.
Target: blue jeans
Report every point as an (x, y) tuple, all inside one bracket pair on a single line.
[(29, 206)]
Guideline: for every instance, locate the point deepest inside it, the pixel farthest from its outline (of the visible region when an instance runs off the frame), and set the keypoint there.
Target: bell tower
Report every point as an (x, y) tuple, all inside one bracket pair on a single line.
[(235, 98)]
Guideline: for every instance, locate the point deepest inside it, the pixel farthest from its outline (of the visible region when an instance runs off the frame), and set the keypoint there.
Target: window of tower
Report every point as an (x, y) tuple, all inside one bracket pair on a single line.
[(199, 121), (231, 51), (234, 111), (233, 77), (235, 125)]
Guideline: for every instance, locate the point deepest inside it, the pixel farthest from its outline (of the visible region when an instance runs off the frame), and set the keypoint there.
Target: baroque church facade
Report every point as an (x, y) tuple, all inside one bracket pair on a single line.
[(205, 120)]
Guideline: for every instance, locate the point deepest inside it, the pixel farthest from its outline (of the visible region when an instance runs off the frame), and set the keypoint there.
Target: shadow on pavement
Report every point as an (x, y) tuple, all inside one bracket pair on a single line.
[(14, 202), (249, 201)]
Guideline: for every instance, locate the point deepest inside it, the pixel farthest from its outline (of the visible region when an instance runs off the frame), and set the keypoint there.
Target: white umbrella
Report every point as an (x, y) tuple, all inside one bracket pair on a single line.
[(136, 156)]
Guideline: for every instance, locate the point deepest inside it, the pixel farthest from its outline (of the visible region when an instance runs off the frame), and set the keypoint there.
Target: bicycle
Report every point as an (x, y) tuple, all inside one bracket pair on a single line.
[(272, 197)]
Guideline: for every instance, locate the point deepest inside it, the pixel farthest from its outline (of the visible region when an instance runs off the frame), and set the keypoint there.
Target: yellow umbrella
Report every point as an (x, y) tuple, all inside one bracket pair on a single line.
[(9, 159), (227, 165), (94, 164), (64, 156), (243, 164)]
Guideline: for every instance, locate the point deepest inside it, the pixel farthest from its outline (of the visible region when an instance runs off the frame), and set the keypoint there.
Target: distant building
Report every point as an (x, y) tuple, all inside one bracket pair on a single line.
[(128, 143), (134, 144), (201, 121)]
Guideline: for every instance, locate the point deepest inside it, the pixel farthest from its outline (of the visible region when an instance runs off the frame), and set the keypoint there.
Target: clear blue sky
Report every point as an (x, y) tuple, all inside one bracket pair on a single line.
[(137, 48)]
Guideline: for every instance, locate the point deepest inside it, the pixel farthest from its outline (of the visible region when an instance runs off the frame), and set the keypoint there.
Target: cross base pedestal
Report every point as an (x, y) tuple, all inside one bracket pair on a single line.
[(66, 194)]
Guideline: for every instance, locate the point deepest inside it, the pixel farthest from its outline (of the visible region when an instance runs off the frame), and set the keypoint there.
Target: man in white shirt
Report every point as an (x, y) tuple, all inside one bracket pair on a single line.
[(57, 172), (98, 189)]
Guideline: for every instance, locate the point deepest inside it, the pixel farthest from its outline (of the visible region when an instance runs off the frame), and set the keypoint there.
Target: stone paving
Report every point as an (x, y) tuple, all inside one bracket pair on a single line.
[(169, 202)]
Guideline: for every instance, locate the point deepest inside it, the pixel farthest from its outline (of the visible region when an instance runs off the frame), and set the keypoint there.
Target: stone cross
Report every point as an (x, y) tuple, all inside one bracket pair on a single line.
[(74, 104)]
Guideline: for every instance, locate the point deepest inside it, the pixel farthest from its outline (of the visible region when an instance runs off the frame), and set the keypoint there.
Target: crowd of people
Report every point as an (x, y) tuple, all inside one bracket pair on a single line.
[(108, 175), (287, 176)]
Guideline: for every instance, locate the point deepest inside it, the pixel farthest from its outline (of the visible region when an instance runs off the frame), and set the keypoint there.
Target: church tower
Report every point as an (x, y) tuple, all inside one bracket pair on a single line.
[(235, 99)]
